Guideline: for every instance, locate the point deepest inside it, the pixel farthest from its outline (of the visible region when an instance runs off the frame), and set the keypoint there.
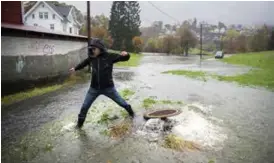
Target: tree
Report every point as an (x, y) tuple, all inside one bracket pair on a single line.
[(133, 23), (271, 40), (169, 43), (187, 38), (117, 23), (230, 40), (151, 45), (137, 43), (99, 32), (260, 40), (220, 26), (194, 24), (124, 23)]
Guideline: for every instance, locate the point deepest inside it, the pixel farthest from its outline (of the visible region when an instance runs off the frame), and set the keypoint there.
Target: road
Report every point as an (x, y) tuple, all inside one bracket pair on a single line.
[(232, 123)]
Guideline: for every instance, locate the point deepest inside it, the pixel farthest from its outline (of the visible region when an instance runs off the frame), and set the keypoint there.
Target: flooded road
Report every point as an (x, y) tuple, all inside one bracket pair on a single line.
[(230, 122)]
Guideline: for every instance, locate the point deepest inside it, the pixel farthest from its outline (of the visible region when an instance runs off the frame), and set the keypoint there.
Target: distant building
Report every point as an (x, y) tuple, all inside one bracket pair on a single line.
[(54, 17)]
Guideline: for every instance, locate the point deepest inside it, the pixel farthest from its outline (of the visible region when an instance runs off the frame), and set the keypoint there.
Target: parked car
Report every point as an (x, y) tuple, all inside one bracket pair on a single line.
[(219, 54)]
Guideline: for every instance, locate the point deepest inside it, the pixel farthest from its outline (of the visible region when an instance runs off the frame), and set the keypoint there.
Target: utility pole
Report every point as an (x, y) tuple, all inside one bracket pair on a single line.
[(201, 40), (88, 30)]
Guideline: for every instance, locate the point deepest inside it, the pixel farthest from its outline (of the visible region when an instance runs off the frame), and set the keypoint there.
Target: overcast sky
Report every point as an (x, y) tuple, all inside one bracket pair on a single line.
[(246, 13)]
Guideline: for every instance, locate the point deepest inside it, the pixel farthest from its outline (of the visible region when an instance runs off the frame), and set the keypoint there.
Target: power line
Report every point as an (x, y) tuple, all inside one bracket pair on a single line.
[(162, 11)]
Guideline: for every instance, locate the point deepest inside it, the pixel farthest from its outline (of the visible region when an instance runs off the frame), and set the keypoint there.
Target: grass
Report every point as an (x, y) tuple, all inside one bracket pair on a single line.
[(72, 79), (174, 142), (104, 118), (6, 100), (124, 113), (132, 62), (148, 102), (120, 130), (126, 93), (191, 74), (166, 101), (263, 76), (197, 51)]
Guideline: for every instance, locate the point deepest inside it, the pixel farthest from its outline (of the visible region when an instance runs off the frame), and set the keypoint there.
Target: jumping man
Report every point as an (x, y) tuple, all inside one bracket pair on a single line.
[(101, 82)]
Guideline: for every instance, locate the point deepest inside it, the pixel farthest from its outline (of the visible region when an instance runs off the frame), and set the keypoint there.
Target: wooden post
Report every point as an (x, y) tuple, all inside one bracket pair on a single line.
[(88, 30), (201, 42)]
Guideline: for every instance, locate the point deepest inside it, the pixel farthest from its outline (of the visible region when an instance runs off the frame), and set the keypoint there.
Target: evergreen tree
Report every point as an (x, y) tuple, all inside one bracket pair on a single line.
[(271, 40), (124, 24), (117, 24)]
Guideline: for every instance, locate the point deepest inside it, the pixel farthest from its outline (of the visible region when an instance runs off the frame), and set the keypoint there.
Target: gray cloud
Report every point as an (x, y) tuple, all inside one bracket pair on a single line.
[(233, 12)]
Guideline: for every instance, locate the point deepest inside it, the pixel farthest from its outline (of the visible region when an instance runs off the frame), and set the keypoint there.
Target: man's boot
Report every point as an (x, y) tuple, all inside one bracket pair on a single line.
[(130, 111), (80, 123)]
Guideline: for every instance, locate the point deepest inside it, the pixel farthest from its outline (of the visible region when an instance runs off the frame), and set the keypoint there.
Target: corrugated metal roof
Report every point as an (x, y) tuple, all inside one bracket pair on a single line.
[(37, 29)]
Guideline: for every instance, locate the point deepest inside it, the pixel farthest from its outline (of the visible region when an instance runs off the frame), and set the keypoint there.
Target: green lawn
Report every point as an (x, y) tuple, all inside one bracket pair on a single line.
[(72, 79), (263, 76), (133, 61)]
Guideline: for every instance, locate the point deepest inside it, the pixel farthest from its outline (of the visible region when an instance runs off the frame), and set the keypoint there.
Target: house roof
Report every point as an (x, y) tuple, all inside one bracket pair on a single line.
[(61, 10)]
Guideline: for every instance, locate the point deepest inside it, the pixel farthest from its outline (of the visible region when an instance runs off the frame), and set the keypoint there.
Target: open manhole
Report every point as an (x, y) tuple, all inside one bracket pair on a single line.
[(163, 113)]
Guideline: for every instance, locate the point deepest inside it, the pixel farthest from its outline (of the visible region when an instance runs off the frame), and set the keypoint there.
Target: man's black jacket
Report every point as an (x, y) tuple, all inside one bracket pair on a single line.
[(102, 66)]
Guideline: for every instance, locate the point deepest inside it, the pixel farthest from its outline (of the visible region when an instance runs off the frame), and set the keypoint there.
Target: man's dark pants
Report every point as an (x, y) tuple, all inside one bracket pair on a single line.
[(91, 96)]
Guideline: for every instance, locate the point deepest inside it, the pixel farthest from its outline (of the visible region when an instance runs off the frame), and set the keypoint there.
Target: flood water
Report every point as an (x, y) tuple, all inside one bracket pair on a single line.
[(230, 122)]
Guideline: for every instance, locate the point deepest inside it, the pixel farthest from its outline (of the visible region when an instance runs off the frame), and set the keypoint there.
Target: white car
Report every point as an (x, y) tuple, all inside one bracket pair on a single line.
[(219, 54)]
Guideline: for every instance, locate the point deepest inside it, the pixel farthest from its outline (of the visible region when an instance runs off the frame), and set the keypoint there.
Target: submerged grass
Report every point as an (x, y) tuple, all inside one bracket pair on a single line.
[(174, 142), (191, 74), (127, 93), (119, 130), (148, 102), (72, 79)]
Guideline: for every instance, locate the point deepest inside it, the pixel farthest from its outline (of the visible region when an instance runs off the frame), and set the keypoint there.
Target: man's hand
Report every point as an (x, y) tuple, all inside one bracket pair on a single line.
[(72, 70), (124, 53)]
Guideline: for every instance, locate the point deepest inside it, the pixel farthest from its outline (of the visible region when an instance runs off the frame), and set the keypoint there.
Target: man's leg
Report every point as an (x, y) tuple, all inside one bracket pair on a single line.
[(114, 95), (91, 95)]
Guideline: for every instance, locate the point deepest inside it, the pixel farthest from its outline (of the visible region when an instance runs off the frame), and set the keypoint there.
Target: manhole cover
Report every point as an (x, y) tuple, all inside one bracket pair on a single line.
[(164, 113)]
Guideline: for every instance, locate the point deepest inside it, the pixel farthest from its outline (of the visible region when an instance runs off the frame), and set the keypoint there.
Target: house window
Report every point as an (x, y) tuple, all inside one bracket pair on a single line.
[(33, 16), (53, 16), (35, 24), (46, 16), (43, 5), (52, 26), (40, 15), (70, 30)]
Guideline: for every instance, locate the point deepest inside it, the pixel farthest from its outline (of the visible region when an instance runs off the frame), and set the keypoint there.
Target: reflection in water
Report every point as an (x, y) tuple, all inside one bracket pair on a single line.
[(123, 75)]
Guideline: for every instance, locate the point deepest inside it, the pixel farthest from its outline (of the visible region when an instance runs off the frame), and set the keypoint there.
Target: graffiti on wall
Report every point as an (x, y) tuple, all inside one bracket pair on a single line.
[(20, 64), (48, 49)]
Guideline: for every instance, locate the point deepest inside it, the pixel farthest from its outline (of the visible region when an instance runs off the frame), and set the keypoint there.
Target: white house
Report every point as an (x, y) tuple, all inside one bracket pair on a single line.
[(59, 18)]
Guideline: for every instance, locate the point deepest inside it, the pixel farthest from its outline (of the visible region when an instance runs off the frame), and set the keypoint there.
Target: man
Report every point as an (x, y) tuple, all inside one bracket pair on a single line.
[(102, 82)]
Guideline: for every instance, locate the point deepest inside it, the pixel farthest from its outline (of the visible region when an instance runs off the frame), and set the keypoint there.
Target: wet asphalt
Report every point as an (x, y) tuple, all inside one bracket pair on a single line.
[(233, 123)]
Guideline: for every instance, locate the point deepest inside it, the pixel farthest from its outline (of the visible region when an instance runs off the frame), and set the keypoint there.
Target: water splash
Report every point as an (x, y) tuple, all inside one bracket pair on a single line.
[(192, 124)]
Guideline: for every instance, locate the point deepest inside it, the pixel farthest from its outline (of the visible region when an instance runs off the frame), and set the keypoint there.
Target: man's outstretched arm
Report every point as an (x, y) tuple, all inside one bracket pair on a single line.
[(124, 56), (81, 65)]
